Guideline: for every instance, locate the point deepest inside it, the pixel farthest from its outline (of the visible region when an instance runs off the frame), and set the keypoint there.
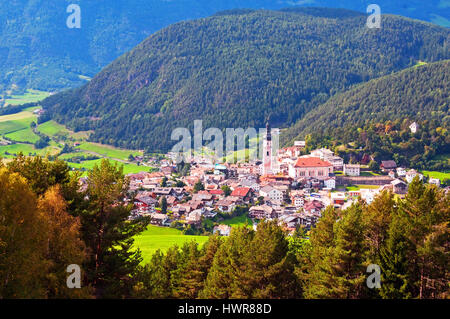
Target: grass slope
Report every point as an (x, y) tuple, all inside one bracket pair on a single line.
[(155, 238)]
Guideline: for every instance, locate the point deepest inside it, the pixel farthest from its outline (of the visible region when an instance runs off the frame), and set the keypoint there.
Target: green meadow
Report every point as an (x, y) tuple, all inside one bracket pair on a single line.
[(51, 128), (439, 175), (162, 238), (239, 221), (29, 97), (16, 128), (108, 151)]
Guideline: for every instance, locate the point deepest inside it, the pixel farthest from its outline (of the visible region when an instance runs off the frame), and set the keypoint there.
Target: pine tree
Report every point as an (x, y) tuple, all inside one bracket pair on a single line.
[(108, 233), (317, 273), (349, 256), (394, 263)]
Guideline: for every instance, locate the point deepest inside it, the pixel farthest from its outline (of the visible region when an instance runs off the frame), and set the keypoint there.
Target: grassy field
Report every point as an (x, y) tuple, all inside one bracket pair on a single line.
[(162, 238), (16, 127), (127, 168), (369, 173), (439, 175), (24, 135), (28, 97), (239, 221), (108, 151), (51, 128), (359, 187)]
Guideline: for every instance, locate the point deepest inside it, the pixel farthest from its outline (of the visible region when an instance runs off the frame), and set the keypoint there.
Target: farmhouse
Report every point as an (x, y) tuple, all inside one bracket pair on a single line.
[(262, 212)]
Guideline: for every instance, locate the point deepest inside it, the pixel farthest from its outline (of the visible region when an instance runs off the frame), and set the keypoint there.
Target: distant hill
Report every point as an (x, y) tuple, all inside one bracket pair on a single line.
[(38, 51), (419, 93), (236, 69)]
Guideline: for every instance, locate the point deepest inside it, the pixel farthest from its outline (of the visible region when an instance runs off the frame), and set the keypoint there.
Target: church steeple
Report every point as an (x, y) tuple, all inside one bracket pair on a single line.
[(268, 132)]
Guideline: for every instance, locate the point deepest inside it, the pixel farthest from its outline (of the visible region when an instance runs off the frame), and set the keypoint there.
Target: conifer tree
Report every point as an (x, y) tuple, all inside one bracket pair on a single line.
[(108, 233)]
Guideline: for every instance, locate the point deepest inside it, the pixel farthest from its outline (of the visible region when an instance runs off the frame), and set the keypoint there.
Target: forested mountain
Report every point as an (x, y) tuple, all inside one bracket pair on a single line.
[(238, 68), (419, 93), (38, 51)]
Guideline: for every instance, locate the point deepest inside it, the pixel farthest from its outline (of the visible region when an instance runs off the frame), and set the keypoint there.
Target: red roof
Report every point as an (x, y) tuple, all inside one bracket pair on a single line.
[(311, 162), (241, 191), (216, 192)]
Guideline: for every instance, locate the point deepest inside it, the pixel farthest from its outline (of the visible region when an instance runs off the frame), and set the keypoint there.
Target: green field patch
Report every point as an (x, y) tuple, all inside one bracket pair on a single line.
[(25, 135), (108, 151), (51, 128), (359, 187), (162, 238), (26, 149), (127, 168), (238, 221), (369, 173), (29, 97), (439, 175)]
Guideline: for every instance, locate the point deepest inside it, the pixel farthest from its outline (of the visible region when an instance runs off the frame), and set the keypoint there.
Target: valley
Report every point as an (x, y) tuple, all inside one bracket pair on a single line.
[(20, 134)]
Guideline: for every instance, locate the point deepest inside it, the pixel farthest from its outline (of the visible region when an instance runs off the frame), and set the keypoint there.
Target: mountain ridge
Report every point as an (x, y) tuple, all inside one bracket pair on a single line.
[(38, 51), (236, 70)]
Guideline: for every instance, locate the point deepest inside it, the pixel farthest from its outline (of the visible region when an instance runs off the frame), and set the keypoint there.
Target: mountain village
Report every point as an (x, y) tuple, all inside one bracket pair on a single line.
[(288, 186)]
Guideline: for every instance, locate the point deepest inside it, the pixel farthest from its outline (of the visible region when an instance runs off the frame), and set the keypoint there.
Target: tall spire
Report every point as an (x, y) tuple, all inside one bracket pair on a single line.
[(268, 132)]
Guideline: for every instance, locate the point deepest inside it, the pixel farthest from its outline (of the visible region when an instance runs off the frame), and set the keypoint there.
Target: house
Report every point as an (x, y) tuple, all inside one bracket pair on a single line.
[(217, 193), (272, 193), (194, 217), (330, 183), (223, 230), (391, 173), (225, 205), (338, 198), (388, 165), (251, 183), (310, 167), (145, 202), (414, 127), (399, 187), (298, 201), (158, 219), (300, 144), (352, 169), (203, 196), (434, 181), (328, 156), (313, 207), (290, 221), (244, 193), (401, 172), (262, 212), (411, 174)]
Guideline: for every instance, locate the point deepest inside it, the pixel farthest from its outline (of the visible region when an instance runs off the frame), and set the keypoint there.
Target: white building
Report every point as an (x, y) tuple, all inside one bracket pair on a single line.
[(435, 181), (327, 155), (352, 169), (330, 183), (298, 201), (411, 174), (272, 193), (401, 172)]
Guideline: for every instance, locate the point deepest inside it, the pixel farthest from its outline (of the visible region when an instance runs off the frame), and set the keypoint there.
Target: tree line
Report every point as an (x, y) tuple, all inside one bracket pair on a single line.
[(47, 221)]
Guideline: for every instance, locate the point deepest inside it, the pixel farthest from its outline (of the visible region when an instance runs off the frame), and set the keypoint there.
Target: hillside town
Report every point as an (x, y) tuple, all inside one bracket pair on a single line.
[(288, 186)]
